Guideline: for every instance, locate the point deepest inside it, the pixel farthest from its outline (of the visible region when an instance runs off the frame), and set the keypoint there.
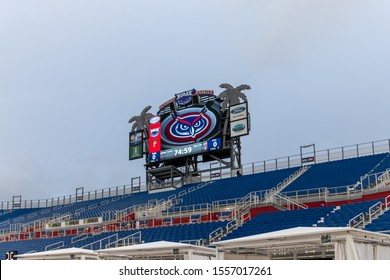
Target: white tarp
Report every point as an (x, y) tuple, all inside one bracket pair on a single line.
[(68, 253), (348, 243), (382, 253), (161, 248)]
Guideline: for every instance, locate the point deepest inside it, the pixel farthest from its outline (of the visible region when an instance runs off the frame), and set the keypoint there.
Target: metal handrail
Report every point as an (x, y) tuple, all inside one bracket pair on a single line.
[(60, 243), (347, 190), (100, 242), (351, 151), (78, 238), (214, 235), (352, 223), (377, 207), (289, 202), (282, 185), (127, 241), (387, 202)]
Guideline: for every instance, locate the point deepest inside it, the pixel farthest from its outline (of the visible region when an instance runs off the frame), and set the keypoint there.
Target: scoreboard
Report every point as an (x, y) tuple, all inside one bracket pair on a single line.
[(190, 124), (185, 126), (187, 150)]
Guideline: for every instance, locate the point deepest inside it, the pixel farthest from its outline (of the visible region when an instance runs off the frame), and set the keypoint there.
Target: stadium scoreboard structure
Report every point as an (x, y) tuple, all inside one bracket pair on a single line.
[(188, 129)]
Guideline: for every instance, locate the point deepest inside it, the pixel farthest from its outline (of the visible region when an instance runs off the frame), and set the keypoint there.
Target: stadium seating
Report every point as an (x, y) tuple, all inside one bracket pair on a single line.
[(382, 223), (178, 233), (30, 246), (268, 222), (10, 215), (87, 209), (342, 216), (339, 173), (237, 187), (194, 227)]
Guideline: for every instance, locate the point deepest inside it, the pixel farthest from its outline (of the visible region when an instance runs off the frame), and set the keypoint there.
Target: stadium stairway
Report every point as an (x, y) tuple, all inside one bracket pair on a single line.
[(381, 224), (379, 217)]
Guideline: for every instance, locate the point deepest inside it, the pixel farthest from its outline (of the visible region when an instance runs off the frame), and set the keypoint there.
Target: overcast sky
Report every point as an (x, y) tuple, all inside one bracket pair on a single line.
[(73, 72)]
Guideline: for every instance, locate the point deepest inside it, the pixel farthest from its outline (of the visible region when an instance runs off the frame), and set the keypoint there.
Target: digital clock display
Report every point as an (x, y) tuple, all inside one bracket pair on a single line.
[(187, 150)]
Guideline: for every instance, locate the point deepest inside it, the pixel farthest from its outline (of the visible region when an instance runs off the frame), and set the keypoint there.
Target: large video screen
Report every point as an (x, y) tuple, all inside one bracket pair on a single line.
[(188, 125)]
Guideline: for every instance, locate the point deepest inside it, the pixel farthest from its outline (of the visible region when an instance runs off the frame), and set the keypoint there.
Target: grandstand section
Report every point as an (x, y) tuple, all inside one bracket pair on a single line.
[(349, 192)]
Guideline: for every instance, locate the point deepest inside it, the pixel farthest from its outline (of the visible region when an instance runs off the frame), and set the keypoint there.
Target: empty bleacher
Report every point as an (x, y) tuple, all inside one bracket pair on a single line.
[(339, 173), (267, 222), (341, 216), (381, 224), (237, 187), (330, 175)]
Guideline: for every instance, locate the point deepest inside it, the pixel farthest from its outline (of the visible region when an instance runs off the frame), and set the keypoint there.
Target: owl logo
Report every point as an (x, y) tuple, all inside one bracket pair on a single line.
[(188, 126)]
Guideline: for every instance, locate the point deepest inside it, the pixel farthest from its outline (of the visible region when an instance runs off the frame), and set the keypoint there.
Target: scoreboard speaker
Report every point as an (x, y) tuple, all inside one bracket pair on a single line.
[(11, 255)]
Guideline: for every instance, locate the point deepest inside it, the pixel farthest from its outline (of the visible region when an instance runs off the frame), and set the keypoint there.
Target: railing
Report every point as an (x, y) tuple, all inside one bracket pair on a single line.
[(240, 205), (109, 239), (384, 179), (152, 208), (197, 242), (70, 199), (374, 209), (287, 203), (78, 238), (286, 182), (245, 204), (357, 221), (54, 246), (216, 235), (387, 202), (352, 151), (365, 219), (186, 211), (132, 239), (232, 225)]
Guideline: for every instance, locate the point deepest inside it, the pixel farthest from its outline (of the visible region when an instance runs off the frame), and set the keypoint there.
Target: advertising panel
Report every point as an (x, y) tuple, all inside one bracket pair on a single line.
[(184, 98), (135, 144), (239, 128), (154, 135), (136, 137), (135, 152), (238, 112)]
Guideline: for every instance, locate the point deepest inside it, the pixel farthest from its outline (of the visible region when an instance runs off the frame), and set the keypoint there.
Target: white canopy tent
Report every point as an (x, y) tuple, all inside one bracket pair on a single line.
[(61, 254), (159, 250), (308, 243)]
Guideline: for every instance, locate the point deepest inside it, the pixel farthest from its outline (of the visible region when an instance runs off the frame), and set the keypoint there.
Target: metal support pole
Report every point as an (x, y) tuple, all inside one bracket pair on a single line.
[(389, 145), (357, 150)]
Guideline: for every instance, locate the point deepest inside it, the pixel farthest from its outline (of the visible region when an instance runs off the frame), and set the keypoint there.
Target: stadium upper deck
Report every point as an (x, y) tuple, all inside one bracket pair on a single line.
[(351, 190)]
